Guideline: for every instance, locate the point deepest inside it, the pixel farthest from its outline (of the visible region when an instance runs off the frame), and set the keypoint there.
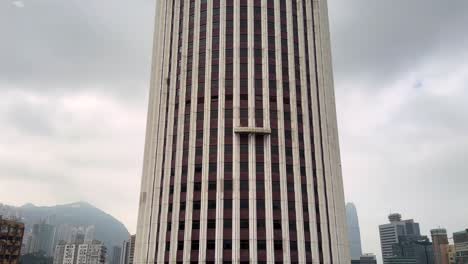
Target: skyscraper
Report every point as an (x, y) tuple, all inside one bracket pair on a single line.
[(242, 159), (128, 251), (440, 244), (354, 233)]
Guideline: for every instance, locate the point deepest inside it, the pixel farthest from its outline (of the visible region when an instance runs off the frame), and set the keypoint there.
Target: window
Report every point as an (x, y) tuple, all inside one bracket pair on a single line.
[(227, 244), (244, 204), (244, 185), (180, 245), (276, 205), (210, 244), (244, 223), (244, 244), (260, 224), (260, 204), (293, 245), (211, 224), (212, 186), (197, 186), (261, 245), (196, 205), (278, 244), (227, 204), (227, 223), (195, 245), (212, 204), (277, 224), (227, 185)]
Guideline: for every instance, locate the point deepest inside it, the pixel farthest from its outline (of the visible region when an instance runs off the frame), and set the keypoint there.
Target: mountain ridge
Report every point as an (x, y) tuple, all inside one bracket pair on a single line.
[(108, 229)]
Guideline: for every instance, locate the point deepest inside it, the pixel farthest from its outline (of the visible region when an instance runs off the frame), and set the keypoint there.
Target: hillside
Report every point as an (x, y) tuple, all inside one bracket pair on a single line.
[(107, 229)]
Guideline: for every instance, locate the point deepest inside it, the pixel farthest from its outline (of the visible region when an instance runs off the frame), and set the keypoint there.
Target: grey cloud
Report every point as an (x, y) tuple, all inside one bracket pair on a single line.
[(58, 46), (30, 119), (379, 40)]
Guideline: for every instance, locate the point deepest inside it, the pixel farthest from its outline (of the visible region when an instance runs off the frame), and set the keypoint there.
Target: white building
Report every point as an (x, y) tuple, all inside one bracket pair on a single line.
[(69, 254), (59, 252), (391, 232), (86, 253)]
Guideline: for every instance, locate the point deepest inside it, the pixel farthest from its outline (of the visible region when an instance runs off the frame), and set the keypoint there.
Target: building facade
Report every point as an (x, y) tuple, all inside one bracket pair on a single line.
[(365, 259), (59, 252), (354, 232), (93, 252), (460, 240), (418, 248), (128, 251), (116, 254), (11, 238), (451, 254), (441, 244), (242, 156), (391, 233)]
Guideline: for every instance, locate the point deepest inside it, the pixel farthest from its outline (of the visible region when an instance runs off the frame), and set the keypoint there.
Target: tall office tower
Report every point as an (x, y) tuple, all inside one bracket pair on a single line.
[(394, 231), (354, 233), (440, 244), (242, 159)]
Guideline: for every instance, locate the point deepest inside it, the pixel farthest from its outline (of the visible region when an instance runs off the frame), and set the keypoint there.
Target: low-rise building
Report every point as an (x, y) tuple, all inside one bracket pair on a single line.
[(365, 259)]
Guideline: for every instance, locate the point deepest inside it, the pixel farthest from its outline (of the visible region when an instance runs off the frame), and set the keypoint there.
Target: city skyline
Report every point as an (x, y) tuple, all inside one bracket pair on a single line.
[(401, 108)]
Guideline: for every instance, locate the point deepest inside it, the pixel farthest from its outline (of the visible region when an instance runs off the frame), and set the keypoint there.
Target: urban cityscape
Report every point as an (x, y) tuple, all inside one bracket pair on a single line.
[(400, 239), (233, 131)]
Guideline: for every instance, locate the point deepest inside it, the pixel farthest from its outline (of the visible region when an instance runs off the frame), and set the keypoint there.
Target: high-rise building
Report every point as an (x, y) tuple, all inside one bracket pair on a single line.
[(242, 159), (41, 239), (75, 253), (116, 253), (391, 233), (354, 233), (11, 238), (440, 243), (59, 252), (128, 251), (460, 239)]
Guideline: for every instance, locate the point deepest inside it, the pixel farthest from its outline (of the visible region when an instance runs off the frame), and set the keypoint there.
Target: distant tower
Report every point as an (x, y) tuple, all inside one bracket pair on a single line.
[(441, 245), (354, 233), (242, 159)]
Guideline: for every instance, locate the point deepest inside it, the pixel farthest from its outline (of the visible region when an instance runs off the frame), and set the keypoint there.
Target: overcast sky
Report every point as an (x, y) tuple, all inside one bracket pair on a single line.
[(74, 89)]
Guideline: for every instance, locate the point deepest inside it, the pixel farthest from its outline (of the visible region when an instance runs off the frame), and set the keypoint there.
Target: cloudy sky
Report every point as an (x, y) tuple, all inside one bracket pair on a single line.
[(74, 88)]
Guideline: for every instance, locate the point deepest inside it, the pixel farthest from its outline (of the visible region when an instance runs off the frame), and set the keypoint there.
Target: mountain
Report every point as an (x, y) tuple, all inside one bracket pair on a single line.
[(107, 229)]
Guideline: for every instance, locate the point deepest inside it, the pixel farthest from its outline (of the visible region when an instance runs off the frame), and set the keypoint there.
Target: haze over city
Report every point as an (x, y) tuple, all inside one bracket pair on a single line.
[(74, 84)]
